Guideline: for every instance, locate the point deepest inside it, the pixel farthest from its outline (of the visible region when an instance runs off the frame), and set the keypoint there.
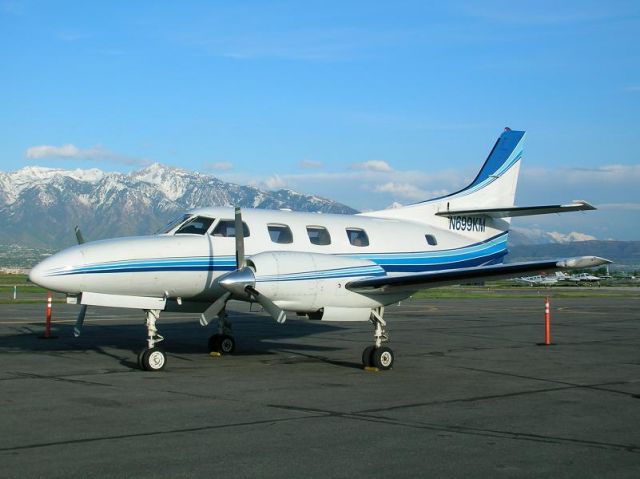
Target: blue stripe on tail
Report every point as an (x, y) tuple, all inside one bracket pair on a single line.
[(500, 154)]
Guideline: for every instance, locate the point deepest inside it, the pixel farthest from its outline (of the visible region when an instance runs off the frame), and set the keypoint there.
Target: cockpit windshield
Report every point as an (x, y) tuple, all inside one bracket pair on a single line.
[(173, 223), (195, 226)]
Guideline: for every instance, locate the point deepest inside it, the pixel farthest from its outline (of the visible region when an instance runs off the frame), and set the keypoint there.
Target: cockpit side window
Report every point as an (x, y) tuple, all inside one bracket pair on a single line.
[(173, 223), (195, 226), (227, 228)]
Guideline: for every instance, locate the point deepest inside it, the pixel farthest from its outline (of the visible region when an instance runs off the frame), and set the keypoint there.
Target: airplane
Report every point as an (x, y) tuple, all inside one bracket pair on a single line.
[(544, 280), (538, 279), (327, 267), (584, 278)]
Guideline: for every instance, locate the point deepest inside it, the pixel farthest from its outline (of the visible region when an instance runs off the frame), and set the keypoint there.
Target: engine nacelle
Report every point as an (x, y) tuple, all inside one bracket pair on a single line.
[(308, 282)]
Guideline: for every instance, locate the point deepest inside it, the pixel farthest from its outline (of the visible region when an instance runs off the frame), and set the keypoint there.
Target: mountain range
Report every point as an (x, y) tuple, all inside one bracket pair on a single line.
[(39, 206)]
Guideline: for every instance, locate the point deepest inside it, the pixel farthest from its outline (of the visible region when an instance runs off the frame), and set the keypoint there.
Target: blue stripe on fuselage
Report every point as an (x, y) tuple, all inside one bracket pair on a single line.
[(489, 251)]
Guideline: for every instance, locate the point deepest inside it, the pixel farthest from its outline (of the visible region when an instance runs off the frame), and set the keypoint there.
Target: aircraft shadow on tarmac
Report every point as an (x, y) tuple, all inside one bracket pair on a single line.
[(255, 336)]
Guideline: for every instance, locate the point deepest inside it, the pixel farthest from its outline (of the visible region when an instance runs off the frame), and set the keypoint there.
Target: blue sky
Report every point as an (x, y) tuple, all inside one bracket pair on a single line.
[(364, 102)]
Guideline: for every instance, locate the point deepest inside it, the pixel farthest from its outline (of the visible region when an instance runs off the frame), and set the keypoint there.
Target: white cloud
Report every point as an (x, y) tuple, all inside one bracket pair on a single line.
[(404, 190), (275, 182), (220, 166), (408, 190), (373, 165), (310, 164), (72, 152), (46, 151)]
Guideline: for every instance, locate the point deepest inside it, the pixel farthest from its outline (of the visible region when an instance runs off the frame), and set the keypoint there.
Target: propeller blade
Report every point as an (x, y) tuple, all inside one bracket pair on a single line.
[(240, 260), (77, 329), (269, 306), (79, 236), (215, 308)]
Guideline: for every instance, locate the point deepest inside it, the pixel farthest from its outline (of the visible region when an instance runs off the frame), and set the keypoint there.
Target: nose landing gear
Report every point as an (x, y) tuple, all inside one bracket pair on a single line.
[(378, 356), (152, 358)]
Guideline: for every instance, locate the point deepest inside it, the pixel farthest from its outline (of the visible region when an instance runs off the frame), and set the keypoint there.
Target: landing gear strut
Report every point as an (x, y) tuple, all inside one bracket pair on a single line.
[(378, 356), (152, 358), (222, 342)]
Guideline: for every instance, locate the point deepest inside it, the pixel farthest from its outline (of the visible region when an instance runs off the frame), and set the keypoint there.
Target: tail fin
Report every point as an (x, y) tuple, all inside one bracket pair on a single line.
[(494, 186)]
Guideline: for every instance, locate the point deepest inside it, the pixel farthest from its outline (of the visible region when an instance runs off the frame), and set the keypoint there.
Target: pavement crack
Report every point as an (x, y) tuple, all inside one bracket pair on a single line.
[(22, 375), (149, 433)]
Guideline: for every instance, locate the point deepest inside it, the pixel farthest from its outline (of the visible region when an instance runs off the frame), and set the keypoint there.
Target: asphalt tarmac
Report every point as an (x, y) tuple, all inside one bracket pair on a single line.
[(471, 394)]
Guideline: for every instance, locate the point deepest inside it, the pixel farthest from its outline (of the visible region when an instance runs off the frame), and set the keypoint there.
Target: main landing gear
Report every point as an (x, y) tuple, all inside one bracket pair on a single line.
[(378, 356), (152, 358), (222, 342)]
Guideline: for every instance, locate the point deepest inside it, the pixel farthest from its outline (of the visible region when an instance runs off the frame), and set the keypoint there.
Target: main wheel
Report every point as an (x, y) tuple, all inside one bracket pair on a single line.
[(227, 344), (153, 359), (222, 343), (367, 356), (382, 358)]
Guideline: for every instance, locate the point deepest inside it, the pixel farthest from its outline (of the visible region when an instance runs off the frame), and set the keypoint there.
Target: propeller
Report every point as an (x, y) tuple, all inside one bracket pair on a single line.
[(240, 283), (79, 236), (77, 329)]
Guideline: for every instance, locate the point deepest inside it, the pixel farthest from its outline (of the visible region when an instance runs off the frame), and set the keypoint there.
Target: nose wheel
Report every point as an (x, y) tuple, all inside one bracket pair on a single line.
[(153, 359)]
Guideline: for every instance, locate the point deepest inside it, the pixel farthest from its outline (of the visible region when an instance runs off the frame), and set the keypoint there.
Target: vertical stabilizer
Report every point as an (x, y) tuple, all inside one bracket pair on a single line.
[(494, 186)]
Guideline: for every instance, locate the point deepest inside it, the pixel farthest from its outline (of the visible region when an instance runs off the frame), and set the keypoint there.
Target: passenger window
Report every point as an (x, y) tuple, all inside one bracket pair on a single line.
[(431, 240), (280, 233), (357, 237), (227, 228), (197, 226), (318, 235)]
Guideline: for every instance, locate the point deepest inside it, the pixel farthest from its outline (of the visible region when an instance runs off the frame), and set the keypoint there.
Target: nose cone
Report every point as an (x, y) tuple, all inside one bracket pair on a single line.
[(36, 275), (50, 273)]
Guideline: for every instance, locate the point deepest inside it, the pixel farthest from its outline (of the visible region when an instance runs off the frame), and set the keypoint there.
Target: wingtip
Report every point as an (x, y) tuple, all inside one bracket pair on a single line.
[(583, 262), (585, 205)]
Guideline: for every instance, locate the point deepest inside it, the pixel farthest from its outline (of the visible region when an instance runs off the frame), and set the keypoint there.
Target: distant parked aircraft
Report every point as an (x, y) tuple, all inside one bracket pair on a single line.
[(544, 280), (584, 278)]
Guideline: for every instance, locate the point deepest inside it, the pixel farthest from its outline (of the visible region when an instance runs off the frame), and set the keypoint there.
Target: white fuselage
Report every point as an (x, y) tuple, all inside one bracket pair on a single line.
[(186, 266)]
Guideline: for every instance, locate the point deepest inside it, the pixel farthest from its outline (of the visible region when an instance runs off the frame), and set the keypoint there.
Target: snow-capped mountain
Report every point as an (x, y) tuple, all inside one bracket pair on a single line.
[(40, 206), (528, 236)]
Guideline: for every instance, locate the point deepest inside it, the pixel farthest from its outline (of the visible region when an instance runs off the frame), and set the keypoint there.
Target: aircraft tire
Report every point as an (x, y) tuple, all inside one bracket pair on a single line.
[(227, 344), (154, 359), (222, 343), (367, 360), (382, 358), (140, 355)]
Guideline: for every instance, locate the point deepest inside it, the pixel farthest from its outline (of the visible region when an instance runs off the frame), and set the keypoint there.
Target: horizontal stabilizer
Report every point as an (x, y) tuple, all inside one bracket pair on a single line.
[(511, 211), (432, 279)]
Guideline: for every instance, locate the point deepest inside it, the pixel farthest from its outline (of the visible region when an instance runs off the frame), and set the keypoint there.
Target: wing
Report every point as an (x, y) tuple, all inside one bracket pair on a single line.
[(431, 279), (511, 211)]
